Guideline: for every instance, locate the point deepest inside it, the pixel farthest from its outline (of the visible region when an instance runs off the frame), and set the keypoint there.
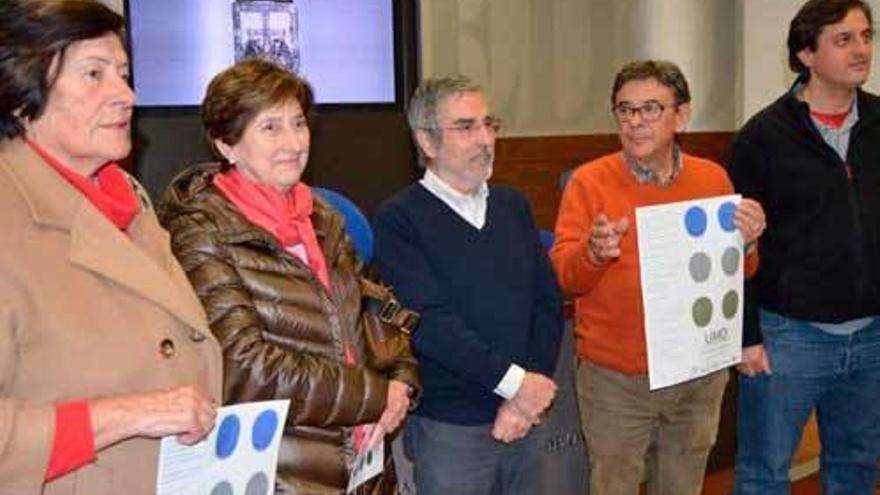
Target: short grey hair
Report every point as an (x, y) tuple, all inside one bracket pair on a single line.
[(425, 103)]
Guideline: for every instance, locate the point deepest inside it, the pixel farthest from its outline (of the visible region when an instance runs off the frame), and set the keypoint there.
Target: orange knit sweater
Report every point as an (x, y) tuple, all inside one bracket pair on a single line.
[(609, 317)]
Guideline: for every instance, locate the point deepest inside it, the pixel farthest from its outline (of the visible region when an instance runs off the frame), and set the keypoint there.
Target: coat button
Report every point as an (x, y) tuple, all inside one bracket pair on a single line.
[(196, 336), (166, 348)]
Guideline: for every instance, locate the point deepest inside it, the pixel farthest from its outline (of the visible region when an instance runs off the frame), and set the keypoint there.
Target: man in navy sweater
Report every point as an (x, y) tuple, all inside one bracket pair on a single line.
[(468, 257)]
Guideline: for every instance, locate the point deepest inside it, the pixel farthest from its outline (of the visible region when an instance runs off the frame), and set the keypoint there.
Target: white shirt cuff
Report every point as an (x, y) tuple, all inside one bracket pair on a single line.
[(510, 383)]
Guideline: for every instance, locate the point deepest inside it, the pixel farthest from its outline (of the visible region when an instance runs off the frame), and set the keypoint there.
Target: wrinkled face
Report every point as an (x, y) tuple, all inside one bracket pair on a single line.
[(843, 54), (463, 151), (87, 119), (274, 147), (642, 138)]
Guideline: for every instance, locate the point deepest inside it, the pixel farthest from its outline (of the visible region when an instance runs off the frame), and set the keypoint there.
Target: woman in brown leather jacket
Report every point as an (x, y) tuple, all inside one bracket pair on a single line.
[(280, 281)]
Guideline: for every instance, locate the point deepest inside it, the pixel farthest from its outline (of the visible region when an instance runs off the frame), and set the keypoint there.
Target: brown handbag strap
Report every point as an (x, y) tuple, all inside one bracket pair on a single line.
[(381, 302)]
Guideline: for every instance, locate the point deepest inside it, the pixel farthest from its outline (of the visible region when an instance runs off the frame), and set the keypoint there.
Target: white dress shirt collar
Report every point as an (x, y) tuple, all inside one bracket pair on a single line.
[(470, 207)]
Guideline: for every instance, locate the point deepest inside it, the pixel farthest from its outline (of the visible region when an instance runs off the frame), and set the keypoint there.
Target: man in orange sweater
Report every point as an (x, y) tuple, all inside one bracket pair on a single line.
[(597, 262)]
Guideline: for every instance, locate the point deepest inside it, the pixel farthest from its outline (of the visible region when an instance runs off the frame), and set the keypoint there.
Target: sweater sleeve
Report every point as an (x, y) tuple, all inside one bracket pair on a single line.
[(746, 169), (577, 274), (547, 320), (323, 392), (752, 262), (752, 258), (73, 445), (442, 336)]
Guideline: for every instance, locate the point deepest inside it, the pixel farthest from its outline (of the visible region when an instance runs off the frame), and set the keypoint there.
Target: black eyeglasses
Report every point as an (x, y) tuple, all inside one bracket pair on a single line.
[(649, 111), (472, 126)]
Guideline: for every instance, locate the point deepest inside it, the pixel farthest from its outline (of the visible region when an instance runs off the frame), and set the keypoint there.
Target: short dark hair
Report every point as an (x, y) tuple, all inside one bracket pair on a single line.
[(807, 25), (666, 73), (33, 33), (235, 96)]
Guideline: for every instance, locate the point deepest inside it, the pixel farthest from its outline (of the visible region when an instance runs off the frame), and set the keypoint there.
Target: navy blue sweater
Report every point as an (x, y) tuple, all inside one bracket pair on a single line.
[(488, 297)]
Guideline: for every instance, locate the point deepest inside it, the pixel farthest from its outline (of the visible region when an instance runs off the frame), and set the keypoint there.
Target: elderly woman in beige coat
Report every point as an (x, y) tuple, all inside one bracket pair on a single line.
[(104, 347)]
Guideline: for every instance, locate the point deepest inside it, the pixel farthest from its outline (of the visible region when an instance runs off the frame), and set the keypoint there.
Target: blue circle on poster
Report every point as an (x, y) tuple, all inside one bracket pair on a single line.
[(227, 436), (725, 216), (264, 429), (695, 221)]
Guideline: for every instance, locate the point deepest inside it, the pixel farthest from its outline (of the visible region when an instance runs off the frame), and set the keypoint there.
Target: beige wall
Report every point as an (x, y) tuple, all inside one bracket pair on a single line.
[(548, 64)]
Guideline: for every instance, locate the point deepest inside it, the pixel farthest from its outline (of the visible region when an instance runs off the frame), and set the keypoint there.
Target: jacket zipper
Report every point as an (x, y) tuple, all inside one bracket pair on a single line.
[(859, 241), (346, 350), (858, 232), (855, 212), (346, 347)]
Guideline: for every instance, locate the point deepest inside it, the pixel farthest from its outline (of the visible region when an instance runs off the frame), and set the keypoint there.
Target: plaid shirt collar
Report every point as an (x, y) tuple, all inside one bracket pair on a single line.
[(644, 175)]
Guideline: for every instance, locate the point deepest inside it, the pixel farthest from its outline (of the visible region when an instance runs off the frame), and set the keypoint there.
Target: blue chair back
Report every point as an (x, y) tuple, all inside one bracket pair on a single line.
[(564, 177), (356, 223), (547, 239)]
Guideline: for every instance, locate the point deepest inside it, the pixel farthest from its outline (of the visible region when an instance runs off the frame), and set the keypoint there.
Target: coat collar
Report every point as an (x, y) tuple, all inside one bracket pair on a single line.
[(867, 103), (193, 189), (141, 261), (52, 202)]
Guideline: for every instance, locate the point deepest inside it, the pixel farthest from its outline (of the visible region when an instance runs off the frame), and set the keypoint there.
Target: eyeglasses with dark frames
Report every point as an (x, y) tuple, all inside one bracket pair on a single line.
[(649, 111)]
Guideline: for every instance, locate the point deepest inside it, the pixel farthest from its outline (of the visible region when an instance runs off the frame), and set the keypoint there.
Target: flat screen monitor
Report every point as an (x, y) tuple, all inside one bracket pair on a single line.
[(344, 48)]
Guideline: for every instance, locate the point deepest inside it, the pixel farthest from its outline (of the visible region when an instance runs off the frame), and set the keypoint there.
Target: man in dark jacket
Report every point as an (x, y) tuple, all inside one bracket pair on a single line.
[(812, 327), (469, 259)]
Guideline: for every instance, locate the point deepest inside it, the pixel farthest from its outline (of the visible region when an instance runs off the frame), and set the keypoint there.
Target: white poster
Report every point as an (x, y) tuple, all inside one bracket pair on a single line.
[(239, 456), (368, 464), (691, 261)]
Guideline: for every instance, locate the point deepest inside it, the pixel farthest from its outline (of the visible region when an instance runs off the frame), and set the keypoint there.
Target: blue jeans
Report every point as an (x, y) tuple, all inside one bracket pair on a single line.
[(839, 377)]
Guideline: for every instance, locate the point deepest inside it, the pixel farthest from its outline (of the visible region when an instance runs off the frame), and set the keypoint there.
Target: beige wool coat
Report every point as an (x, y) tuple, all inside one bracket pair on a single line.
[(86, 311)]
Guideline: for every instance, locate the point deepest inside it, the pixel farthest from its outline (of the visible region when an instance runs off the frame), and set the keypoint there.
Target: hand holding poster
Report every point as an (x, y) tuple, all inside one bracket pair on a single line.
[(239, 456)]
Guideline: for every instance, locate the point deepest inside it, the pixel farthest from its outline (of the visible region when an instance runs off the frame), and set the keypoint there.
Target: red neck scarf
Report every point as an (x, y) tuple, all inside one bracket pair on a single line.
[(111, 192), (284, 215)]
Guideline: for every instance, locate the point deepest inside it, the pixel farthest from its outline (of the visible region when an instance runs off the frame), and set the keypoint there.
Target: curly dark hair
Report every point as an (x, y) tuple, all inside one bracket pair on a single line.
[(807, 25), (33, 34)]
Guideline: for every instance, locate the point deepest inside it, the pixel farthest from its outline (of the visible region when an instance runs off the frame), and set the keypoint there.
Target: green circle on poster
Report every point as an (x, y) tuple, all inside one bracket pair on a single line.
[(730, 304), (702, 311)]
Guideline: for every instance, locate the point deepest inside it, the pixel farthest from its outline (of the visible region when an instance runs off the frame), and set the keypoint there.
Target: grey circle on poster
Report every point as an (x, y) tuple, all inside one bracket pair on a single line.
[(222, 488), (258, 484), (700, 265), (730, 260)]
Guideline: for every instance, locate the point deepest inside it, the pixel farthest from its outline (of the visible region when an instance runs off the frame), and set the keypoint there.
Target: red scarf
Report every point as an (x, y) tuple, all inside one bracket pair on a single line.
[(111, 192), (284, 215)]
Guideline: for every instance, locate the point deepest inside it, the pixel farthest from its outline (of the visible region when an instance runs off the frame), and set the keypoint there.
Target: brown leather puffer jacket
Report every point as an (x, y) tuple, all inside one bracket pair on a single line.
[(283, 334)]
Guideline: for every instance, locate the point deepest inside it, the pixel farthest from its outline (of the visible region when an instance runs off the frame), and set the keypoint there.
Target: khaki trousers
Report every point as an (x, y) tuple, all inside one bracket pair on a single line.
[(622, 418)]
